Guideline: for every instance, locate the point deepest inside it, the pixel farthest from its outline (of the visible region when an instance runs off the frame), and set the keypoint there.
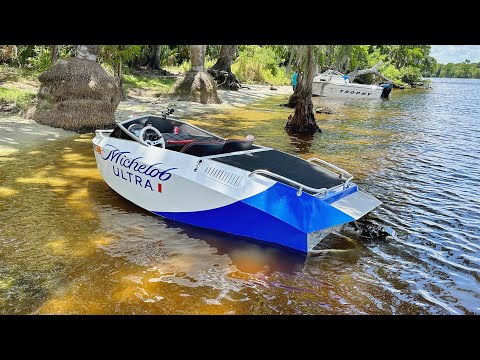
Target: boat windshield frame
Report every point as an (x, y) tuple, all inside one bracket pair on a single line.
[(331, 72), (137, 139)]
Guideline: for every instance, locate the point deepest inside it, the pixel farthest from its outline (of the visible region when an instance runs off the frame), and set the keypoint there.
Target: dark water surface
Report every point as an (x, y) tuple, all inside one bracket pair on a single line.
[(69, 244)]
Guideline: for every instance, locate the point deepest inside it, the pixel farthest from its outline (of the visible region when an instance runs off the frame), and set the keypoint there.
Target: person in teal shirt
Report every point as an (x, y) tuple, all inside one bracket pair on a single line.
[(294, 80)]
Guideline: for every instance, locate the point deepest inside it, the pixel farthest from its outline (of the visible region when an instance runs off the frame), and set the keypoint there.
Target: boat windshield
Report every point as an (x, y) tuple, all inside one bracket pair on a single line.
[(332, 76), (331, 72)]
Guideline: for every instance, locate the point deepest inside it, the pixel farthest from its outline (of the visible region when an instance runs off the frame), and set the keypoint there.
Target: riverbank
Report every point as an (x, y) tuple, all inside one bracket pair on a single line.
[(141, 101), (17, 133)]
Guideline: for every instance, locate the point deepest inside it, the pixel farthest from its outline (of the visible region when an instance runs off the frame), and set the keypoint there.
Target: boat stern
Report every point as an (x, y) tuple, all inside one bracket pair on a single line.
[(355, 205)]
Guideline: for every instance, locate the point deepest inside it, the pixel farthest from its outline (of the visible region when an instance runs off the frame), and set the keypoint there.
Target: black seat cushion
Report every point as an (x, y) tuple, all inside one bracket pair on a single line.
[(232, 145), (198, 148)]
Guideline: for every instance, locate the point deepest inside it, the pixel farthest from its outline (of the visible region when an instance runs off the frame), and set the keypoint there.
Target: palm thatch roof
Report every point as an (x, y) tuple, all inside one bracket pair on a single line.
[(76, 94)]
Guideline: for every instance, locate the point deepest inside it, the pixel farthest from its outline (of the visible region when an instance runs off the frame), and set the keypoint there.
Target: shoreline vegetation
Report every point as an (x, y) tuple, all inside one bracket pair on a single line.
[(79, 87), (154, 69), (463, 70)]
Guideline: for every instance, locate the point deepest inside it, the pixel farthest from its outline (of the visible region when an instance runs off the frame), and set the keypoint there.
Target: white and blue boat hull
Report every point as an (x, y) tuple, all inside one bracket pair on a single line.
[(211, 193), (259, 208)]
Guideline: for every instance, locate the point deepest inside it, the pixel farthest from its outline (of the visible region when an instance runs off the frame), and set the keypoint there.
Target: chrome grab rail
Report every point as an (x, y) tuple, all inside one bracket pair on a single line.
[(322, 191), (349, 177)]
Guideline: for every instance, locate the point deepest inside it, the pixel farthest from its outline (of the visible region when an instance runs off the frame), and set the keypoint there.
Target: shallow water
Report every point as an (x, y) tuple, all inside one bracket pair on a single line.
[(69, 244)]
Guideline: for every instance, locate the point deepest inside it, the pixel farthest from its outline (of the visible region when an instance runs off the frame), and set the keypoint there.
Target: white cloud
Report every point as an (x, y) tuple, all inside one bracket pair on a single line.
[(455, 53)]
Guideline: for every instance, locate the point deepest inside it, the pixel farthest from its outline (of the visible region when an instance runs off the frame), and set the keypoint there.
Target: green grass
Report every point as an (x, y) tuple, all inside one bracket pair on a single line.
[(12, 73), (259, 65), (185, 66), (20, 97), (161, 85), (250, 71), (178, 69)]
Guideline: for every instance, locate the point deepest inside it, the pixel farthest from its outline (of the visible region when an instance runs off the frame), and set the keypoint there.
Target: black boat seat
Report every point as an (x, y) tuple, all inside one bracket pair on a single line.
[(232, 145), (199, 148), (285, 165)]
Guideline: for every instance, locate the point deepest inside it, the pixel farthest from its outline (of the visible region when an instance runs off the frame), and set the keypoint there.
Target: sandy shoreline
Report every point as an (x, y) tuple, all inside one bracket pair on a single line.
[(17, 133), (137, 104)]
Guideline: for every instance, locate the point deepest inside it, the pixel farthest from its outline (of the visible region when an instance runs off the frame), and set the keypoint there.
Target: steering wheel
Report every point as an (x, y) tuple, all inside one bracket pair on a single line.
[(135, 129), (160, 139)]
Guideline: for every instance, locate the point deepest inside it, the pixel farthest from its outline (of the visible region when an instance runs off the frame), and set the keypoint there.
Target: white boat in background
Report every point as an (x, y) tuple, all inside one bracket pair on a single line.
[(332, 83)]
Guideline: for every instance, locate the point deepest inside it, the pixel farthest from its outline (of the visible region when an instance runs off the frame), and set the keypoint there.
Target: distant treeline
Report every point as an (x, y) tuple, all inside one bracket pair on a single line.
[(464, 69)]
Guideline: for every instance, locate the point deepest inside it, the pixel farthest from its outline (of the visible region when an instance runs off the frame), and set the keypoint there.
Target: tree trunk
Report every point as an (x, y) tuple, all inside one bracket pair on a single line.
[(289, 64), (54, 53), (154, 61), (197, 57), (224, 62), (293, 100), (119, 76), (373, 70), (303, 119), (197, 85), (222, 70), (87, 52)]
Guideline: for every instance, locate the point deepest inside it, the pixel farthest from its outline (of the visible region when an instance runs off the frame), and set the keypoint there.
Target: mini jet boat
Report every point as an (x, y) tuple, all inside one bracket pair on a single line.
[(181, 172)]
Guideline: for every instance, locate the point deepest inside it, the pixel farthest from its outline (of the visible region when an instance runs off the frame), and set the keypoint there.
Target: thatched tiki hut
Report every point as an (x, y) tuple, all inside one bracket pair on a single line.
[(77, 94)]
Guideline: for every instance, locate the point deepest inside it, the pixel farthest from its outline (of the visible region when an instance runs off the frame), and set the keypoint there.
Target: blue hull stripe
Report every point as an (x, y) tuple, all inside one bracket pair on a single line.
[(276, 215), (306, 213), (244, 220)]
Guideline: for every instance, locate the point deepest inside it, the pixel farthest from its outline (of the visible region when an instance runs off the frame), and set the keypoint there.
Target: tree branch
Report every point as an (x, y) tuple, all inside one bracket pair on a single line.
[(373, 70)]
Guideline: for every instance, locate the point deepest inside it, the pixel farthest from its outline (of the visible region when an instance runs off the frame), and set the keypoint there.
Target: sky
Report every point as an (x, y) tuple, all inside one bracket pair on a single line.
[(455, 53)]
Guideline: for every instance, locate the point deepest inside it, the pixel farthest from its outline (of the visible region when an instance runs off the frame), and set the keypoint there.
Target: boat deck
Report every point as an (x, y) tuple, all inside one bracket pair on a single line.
[(285, 165)]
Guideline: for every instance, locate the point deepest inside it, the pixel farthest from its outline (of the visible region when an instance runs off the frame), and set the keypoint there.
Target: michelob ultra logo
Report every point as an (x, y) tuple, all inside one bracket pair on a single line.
[(132, 170)]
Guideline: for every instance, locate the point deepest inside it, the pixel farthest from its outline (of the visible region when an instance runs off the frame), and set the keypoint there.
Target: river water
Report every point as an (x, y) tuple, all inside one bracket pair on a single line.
[(70, 245)]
